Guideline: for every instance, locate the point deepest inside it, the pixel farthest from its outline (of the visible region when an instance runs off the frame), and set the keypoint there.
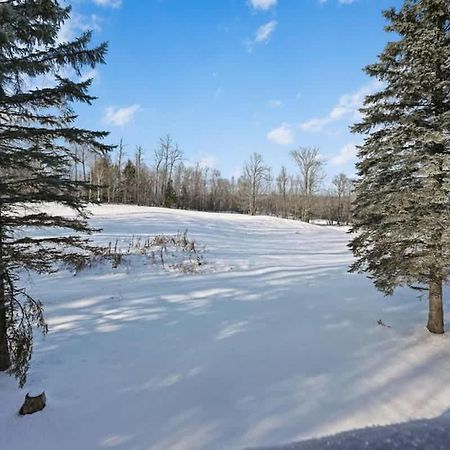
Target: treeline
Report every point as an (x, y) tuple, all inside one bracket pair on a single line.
[(167, 181)]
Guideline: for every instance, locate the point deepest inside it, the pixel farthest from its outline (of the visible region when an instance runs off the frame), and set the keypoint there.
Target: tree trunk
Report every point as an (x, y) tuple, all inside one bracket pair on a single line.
[(436, 310), (5, 361)]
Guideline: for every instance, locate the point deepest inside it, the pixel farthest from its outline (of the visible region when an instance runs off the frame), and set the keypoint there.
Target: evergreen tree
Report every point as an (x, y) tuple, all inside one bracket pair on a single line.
[(402, 207), (170, 195), (129, 181), (38, 138)]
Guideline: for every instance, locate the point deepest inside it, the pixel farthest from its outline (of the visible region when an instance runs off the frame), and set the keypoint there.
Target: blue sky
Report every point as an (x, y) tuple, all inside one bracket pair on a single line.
[(230, 77)]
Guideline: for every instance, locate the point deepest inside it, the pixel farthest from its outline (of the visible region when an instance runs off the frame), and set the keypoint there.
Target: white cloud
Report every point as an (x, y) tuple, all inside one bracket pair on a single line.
[(262, 35), (346, 108), (120, 116), (275, 103), (314, 125), (204, 160), (77, 24), (90, 74), (109, 3), (264, 32), (283, 135), (208, 161), (263, 4), (345, 155)]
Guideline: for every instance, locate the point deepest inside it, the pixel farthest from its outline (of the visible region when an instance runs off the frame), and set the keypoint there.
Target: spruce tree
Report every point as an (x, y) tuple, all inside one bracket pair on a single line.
[(170, 195), (38, 137), (402, 206)]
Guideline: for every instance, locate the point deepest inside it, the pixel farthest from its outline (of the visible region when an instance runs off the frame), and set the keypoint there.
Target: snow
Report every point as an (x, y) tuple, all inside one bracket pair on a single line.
[(275, 342), (432, 434)]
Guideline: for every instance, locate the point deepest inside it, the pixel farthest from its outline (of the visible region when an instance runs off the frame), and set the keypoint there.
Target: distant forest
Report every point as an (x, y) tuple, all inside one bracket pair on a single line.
[(169, 182)]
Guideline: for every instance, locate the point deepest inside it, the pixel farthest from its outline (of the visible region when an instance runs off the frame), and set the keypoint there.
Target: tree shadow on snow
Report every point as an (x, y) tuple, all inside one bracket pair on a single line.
[(144, 359)]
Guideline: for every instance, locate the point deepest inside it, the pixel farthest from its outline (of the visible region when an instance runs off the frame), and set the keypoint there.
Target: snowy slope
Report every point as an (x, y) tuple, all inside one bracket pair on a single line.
[(275, 343), (431, 434)]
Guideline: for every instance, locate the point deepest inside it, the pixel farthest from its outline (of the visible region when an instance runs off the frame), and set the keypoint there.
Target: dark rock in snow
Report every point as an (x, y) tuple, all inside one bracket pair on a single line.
[(33, 404)]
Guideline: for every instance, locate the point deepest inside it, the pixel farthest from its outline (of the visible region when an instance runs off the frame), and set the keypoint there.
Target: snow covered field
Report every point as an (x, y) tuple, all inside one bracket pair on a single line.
[(273, 343)]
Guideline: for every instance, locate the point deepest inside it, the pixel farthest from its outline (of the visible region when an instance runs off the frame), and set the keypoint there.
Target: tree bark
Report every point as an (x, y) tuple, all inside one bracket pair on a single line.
[(436, 310), (5, 360)]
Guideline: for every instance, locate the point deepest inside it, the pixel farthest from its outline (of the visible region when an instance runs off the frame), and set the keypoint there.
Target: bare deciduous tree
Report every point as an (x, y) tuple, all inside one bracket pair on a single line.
[(138, 174), (282, 186), (343, 186), (255, 175), (167, 156), (311, 176)]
